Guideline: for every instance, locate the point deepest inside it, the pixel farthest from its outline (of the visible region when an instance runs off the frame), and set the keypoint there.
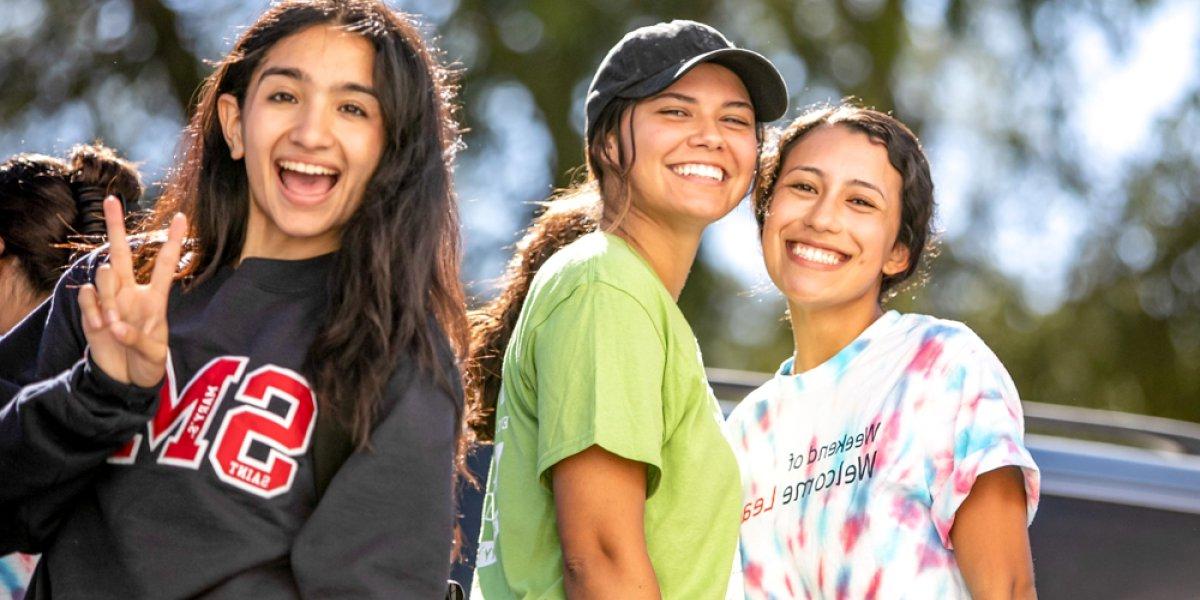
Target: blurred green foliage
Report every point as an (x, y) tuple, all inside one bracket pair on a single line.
[(1123, 330)]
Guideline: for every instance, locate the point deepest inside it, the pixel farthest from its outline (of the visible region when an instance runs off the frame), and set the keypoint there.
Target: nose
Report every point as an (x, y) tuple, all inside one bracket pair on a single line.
[(312, 128), (707, 135), (822, 214)]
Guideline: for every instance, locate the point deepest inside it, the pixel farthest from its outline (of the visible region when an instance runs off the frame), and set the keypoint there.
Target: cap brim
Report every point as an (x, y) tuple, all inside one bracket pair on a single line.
[(768, 92)]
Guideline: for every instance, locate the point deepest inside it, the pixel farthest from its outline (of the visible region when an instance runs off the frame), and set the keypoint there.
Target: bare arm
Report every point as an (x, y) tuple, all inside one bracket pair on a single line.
[(991, 543), (600, 499)]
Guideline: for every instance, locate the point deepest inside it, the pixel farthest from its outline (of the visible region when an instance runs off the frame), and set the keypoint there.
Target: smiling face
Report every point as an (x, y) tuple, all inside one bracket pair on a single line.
[(311, 132), (829, 235), (695, 149)]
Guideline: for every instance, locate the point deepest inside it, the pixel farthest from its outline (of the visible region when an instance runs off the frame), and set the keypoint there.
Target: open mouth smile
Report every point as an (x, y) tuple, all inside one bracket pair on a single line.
[(815, 255), (306, 183), (699, 172)]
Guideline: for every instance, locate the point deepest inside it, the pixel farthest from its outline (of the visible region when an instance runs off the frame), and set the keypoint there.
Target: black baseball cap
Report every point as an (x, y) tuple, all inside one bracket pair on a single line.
[(649, 59)]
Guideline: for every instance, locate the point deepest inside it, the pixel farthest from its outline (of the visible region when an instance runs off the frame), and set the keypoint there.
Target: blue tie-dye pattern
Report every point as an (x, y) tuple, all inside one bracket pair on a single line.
[(944, 332), (971, 440), (842, 359), (843, 582), (930, 474), (785, 368), (905, 488), (9, 582), (956, 379)]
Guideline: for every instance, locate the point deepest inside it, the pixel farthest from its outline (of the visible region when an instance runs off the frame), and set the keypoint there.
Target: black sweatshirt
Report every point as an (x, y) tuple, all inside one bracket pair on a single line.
[(18, 352), (206, 487)]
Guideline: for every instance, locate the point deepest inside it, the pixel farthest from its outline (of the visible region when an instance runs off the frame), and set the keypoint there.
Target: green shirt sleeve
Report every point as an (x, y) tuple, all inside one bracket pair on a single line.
[(599, 359)]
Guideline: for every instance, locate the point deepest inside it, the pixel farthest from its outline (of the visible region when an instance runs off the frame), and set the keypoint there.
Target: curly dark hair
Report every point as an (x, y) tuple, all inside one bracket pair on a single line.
[(50, 206)]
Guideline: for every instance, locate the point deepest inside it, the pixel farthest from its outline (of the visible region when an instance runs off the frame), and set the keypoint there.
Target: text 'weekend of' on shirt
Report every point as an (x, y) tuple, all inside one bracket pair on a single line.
[(601, 355), (852, 472)]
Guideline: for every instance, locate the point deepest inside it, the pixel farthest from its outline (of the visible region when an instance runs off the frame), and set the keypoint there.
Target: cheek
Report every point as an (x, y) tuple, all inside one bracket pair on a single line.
[(772, 246), (366, 149), (875, 238), (745, 151)]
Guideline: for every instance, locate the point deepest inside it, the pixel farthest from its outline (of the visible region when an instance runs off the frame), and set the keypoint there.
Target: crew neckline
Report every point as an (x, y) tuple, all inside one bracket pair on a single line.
[(832, 369), (286, 274)]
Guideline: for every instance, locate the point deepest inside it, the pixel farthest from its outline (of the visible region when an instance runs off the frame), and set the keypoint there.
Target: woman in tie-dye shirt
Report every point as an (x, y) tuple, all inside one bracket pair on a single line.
[(885, 458)]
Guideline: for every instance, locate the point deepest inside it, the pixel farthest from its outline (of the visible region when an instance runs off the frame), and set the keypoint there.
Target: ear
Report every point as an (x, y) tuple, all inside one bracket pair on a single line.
[(230, 115), (897, 261)]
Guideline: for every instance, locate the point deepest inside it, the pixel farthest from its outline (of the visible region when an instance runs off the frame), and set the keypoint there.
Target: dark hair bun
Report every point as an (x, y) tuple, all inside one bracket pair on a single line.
[(96, 172)]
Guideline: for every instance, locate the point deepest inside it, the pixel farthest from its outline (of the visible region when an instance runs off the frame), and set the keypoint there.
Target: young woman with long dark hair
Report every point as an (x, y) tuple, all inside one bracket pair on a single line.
[(277, 414), (610, 477), (885, 459), (48, 207)]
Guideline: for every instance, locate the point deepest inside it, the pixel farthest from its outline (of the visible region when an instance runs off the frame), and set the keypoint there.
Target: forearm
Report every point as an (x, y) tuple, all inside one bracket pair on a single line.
[(384, 527), (62, 427), (1003, 586)]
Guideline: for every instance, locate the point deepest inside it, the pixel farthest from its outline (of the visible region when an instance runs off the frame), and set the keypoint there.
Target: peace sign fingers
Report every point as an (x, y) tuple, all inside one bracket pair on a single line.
[(119, 255), (126, 322), (168, 256)]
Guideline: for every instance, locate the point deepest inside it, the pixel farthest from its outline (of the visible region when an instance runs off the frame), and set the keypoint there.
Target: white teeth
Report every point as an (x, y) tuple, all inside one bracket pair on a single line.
[(816, 255), (306, 168), (699, 170)]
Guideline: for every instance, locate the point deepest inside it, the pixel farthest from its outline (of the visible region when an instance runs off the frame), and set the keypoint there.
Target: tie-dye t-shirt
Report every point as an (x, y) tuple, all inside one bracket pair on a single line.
[(15, 572), (852, 472)]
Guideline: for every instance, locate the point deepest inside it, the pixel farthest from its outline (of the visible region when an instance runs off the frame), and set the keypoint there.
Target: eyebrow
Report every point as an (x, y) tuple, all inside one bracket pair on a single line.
[(690, 100), (298, 75), (860, 182)]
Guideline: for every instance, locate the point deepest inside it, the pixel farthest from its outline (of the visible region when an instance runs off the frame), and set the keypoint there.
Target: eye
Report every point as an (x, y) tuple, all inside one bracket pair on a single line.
[(803, 186), (739, 121), (863, 202), (353, 109), (282, 97), (673, 112)]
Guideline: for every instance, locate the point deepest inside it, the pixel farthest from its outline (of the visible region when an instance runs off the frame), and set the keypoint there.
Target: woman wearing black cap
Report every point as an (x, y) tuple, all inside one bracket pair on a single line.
[(610, 477)]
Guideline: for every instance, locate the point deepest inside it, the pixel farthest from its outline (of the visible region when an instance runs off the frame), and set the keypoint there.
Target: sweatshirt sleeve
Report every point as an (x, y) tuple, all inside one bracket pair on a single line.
[(383, 528), (65, 424)]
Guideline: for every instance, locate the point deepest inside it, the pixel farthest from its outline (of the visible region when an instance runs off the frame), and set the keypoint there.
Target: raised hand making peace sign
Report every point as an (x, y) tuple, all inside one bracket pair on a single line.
[(125, 322)]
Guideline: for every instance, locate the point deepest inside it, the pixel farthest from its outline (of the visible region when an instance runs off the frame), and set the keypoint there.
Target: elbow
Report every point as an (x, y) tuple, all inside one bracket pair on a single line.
[(582, 570), (1023, 588), (605, 572), (1017, 587), (575, 570)]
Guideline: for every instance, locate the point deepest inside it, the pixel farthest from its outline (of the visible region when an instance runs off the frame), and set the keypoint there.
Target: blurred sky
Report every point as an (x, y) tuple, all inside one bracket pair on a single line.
[(1036, 222)]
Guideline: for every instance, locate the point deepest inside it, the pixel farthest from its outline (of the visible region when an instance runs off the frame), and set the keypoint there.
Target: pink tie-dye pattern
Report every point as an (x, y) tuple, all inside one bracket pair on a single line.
[(852, 530), (914, 458), (932, 557), (927, 356), (907, 513), (873, 588), (821, 572), (753, 575)]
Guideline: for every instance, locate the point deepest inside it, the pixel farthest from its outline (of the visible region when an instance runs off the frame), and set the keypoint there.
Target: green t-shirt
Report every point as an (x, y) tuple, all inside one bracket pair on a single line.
[(601, 355)]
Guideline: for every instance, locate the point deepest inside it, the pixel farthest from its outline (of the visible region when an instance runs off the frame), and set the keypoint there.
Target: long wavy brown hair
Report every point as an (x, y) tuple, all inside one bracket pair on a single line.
[(395, 287), (601, 195)]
